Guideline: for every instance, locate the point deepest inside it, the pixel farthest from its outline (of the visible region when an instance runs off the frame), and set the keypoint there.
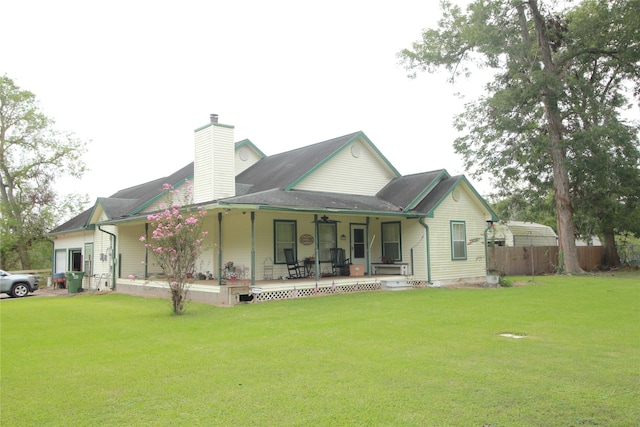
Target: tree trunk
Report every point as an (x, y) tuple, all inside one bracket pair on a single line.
[(568, 252), (611, 257), (566, 229), (23, 253)]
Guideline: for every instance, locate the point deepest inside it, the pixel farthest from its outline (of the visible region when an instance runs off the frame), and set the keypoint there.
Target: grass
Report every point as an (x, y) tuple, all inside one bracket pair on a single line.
[(424, 357)]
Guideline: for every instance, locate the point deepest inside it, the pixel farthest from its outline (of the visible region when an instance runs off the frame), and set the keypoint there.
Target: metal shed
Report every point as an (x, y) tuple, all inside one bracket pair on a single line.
[(520, 233)]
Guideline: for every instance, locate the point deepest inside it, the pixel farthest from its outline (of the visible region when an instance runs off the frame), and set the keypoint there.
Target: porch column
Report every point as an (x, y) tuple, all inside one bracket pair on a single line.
[(426, 230), (253, 248), (219, 248), (146, 251), (368, 248), (316, 270)]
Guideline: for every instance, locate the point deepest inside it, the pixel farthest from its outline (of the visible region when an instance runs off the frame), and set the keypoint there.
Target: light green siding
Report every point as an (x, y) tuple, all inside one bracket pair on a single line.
[(356, 169), (466, 209), (73, 240), (131, 250), (102, 250)]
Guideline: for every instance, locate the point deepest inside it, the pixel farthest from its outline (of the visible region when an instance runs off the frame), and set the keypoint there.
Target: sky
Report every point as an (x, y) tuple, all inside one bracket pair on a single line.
[(135, 79)]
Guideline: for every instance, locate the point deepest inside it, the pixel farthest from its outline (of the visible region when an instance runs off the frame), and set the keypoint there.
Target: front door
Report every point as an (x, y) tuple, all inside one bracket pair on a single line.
[(358, 252)]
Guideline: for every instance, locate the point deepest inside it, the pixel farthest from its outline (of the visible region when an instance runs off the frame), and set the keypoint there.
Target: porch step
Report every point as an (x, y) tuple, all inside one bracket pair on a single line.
[(395, 285)]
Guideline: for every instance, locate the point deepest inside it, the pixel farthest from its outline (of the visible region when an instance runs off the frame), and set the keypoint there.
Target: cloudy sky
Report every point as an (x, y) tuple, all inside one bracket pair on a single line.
[(135, 78)]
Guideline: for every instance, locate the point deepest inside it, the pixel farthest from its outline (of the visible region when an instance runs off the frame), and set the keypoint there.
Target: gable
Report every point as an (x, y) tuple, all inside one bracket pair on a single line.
[(291, 169), (454, 189), (182, 195), (246, 155), (282, 170), (150, 192), (356, 168)]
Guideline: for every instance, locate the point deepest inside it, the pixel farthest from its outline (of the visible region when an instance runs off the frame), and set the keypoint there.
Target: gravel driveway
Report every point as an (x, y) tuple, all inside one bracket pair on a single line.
[(43, 292)]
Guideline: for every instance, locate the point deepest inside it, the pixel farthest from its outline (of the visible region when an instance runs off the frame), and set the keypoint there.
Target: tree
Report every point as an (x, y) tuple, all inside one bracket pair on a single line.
[(523, 131), (605, 179), (176, 243), (32, 156)]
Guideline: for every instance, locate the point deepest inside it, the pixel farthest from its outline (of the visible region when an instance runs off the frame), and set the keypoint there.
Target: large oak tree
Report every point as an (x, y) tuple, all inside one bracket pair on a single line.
[(32, 155), (563, 75)]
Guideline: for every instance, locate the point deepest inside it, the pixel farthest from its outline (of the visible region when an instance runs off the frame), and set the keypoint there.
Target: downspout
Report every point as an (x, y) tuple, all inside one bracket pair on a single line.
[(146, 251), (53, 257), (426, 227), (113, 257), (219, 248), (486, 248), (253, 248)]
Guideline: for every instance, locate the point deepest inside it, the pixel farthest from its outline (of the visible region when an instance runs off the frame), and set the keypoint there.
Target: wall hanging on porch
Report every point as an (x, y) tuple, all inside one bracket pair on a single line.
[(306, 239)]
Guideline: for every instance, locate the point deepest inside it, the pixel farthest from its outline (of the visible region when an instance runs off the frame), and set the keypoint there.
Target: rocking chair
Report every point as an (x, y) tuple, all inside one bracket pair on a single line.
[(295, 268), (339, 264)]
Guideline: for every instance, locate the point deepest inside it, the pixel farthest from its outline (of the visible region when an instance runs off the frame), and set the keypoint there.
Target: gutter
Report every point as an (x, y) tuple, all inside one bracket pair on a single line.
[(426, 227), (486, 249), (337, 211), (113, 257), (53, 256)]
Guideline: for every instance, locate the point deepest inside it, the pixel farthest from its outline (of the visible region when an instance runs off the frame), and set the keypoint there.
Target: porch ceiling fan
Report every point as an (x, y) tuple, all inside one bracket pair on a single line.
[(325, 220)]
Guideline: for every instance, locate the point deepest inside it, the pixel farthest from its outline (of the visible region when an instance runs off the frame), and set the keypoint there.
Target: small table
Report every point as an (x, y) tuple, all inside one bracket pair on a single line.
[(309, 265)]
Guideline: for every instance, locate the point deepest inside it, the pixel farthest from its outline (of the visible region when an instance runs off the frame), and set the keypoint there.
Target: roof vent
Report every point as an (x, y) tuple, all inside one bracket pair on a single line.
[(214, 118)]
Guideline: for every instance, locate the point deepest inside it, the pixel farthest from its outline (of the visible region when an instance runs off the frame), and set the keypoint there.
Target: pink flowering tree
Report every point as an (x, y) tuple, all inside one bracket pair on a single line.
[(176, 242)]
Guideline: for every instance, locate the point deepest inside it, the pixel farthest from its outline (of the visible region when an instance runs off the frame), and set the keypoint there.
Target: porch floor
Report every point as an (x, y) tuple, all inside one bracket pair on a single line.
[(240, 290)]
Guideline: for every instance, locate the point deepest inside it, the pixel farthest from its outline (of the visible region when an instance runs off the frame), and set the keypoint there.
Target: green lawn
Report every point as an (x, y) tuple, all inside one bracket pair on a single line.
[(428, 357)]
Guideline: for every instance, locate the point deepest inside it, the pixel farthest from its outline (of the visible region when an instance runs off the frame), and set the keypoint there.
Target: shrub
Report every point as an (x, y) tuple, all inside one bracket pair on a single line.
[(176, 243)]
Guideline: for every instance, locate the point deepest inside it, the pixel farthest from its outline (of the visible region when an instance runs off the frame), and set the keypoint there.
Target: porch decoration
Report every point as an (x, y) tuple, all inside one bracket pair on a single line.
[(267, 267), (306, 239), (230, 271)]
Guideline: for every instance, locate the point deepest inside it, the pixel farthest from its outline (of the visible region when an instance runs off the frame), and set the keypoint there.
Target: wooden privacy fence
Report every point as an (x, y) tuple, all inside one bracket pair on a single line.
[(520, 260), (44, 275)]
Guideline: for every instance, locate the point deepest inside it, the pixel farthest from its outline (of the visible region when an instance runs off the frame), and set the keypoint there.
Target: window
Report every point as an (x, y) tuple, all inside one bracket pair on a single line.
[(284, 237), (327, 239), (458, 240), (391, 241), (75, 259), (88, 259), (358, 242)]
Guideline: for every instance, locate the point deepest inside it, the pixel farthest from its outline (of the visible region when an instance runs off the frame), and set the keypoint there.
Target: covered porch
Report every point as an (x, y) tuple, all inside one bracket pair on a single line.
[(241, 291)]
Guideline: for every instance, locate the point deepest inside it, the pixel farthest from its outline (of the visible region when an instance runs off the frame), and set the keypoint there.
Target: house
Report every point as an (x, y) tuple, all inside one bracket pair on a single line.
[(521, 233), (339, 193)]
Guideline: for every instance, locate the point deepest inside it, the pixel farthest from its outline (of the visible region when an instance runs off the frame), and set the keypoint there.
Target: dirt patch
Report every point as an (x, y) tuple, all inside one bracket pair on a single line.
[(519, 283), (515, 336), (466, 286)]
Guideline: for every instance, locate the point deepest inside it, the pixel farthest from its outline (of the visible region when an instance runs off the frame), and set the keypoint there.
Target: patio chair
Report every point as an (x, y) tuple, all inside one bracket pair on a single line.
[(296, 268), (339, 264)]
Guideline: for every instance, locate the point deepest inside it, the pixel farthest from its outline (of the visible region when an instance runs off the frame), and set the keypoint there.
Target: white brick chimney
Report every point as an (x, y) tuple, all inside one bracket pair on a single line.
[(214, 162)]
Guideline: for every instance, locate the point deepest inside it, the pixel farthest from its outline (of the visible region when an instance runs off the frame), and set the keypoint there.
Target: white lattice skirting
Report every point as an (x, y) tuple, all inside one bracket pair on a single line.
[(342, 288)]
